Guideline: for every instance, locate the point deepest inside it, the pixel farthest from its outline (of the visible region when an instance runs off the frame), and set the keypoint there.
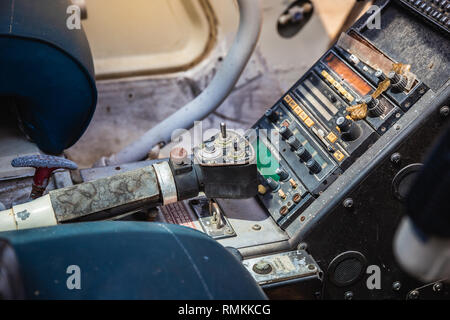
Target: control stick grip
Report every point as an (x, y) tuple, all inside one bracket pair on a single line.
[(131, 189)]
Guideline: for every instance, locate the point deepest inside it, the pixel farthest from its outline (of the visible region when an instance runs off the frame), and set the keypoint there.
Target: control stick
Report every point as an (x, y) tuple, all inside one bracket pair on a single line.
[(226, 171)]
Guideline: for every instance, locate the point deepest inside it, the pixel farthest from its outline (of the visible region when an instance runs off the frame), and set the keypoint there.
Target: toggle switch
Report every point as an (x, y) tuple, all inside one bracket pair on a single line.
[(282, 174), (273, 185)]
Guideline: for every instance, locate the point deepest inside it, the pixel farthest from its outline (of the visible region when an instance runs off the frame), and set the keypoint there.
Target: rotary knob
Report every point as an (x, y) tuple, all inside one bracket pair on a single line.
[(294, 143), (273, 185), (285, 132), (313, 166), (398, 81), (375, 106), (282, 174), (349, 129), (272, 115), (380, 75), (262, 267), (303, 154)]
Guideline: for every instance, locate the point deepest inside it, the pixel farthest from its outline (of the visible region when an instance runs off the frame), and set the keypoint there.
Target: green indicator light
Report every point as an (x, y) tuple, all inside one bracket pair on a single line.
[(266, 163)]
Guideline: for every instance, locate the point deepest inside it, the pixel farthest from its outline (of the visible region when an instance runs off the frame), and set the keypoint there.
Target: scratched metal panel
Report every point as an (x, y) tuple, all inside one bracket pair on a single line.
[(407, 39)]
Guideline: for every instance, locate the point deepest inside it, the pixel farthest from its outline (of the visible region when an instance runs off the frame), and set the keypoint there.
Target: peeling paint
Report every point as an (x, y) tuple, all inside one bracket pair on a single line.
[(23, 215), (103, 194)]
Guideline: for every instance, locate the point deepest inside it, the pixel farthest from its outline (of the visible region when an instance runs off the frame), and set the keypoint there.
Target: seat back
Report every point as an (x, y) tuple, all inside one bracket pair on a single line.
[(128, 260), (48, 70)]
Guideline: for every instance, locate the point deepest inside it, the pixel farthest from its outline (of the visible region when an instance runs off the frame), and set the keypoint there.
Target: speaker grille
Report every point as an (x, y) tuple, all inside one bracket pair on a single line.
[(347, 271), (346, 268)]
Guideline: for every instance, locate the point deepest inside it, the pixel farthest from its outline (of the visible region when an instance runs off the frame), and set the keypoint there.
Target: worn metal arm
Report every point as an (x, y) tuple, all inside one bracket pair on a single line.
[(150, 186)]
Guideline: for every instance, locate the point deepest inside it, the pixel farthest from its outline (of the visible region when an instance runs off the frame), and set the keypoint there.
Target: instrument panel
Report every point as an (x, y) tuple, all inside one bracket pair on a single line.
[(328, 119), (328, 154)]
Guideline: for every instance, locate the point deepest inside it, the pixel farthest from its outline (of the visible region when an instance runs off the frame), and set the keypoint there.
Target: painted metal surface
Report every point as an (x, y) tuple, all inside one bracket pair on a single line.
[(33, 214), (282, 267)]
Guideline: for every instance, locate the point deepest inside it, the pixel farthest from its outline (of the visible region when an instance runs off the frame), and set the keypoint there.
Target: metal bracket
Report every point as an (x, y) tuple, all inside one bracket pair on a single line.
[(210, 216)]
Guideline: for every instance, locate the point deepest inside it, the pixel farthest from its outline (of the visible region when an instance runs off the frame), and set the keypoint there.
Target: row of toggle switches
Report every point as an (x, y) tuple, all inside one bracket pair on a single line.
[(303, 154)]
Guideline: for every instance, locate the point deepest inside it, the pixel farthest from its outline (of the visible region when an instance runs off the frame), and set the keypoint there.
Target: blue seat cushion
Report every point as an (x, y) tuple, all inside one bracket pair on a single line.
[(129, 260)]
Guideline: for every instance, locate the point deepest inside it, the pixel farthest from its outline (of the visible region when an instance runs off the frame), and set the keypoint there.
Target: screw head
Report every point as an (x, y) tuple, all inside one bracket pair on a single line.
[(348, 295), (302, 246), (413, 295), (444, 111), (256, 227), (396, 158), (311, 267), (396, 286), (348, 203), (438, 286)]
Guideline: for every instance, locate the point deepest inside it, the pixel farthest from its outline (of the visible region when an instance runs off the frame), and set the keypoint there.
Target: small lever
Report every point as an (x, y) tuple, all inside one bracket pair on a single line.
[(223, 130), (45, 165), (214, 210)]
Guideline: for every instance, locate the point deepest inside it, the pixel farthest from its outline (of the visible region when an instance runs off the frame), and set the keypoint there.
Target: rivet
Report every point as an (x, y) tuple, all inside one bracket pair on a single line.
[(348, 203), (396, 158), (396, 286), (444, 111), (256, 227)]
